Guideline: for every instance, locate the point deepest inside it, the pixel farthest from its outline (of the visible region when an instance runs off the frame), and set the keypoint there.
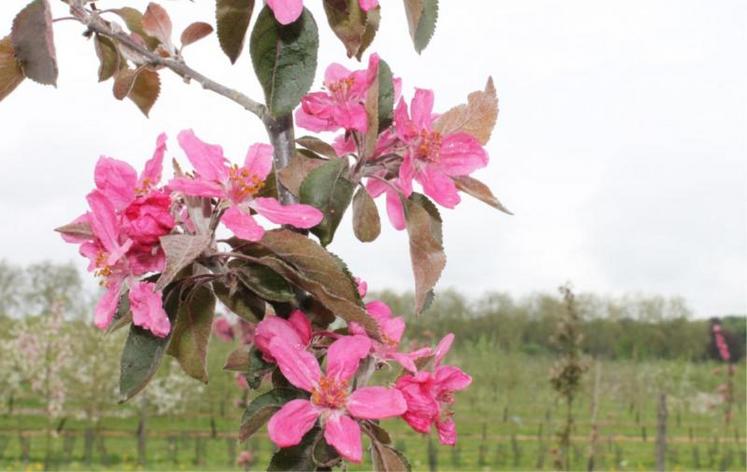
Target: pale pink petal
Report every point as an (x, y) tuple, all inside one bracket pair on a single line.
[(345, 354), (447, 434), (147, 309), (366, 5), (344, 434), (406, 174), (393, 328), (379, 310), (289, 424), (351, 116), (395, 210), (151, 175), (461, 154), (439, 187), (373, 403), (300, 367), (104, 221), (334, 73), (274, 326), (298, 215), (402, 122), (116, 180), (376, 187), (372, 72), (242, 224), (422, 108), (302, 325), (207, 159), (362, 287), (197, 187), (443, 348), (286, 11), (107, 305), (313, 123), (407, 361), (356, 329), (259, 160), (451, 379), (397, 84)]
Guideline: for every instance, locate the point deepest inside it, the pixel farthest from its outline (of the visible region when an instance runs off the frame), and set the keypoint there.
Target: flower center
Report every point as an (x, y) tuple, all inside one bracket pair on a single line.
[(341, 88), (331, 393), (145, 186), (428, 147), (103, 269), (244, 184)]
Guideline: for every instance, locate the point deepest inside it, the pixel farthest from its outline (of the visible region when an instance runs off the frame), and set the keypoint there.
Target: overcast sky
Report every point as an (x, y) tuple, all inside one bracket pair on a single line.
[(620, 142)]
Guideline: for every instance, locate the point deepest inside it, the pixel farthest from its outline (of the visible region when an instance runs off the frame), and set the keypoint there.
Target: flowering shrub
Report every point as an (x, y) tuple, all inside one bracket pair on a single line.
[(305, 330)]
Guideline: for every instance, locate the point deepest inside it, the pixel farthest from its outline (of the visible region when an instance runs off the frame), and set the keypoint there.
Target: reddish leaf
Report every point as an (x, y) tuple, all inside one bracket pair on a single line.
[(134, 21), (479, 190), (11, 73), (110, 60), (80, 230), (191, 333), (352, 25), (124, 81), (181, 250), (33, 42), (426, 248), (318, 146), (293, 175), (156, 23), (195, 32), (366, 221), (145, 90), (232, 18), (238, 360), (477, 117)]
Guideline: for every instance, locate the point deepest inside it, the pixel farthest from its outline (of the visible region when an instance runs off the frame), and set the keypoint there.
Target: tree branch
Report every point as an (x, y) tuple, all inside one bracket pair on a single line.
[(283, 142), (97, 25)]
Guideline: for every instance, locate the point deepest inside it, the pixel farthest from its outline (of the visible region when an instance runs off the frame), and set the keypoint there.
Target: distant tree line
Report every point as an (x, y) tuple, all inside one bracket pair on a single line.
[(629, 327)]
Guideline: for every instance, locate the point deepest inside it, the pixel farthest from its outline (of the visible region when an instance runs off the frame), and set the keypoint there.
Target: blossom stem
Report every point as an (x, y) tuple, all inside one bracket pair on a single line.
[(282, 137)]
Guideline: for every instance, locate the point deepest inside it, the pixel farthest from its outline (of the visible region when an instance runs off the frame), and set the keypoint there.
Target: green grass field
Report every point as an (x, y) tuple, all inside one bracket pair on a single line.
[(506, 421)]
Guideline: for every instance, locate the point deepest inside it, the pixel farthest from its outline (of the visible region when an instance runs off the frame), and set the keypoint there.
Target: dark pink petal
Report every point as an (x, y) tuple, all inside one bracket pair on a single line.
[(393, 328), (362, 287), (406, 174), (351, 116), (313, 123), (461, 154), (451, 379), (274, 326), (373, 403), (376, 187), (439, 187), (421, 108), (197, 187), (258, 160), (302, 325), (345, 354), (242, 224), (298, 215), (104, 221), (379, 311), (402, 123), (116, 180), (395, 210), (368, 4), (405, 360), (147, 309), (288, 426), (107, 305), (299, 366), (344, 434), (443, 348), (447, 434), (286, 11), (373, 60), (420, 423), (151, 175), (207, 159)]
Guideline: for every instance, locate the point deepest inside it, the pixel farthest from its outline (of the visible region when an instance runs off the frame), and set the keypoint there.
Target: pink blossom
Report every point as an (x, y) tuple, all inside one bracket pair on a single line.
[(223, 329), (331, 399), (391, 329), (429, 395), (723, 348), (147, 309), (343, 105), (362, 286), (431, 158), (237, 187), (245, 459), (296, 330), (288, 11)]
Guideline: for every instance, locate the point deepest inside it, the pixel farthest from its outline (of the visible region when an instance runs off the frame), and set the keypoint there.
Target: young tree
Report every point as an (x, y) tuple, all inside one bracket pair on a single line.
[(154, 246)]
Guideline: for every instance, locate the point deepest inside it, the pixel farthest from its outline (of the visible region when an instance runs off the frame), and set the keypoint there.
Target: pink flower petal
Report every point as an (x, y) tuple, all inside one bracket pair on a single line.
[(395, 211), (447, 434), (104, 221), (439, 187), (334, 73), (407, 361), (451, 379), (344, 434), (345, 354), (258, 160), (242, 224), (300, 367), (379, 310), (288, 426), (147, 309), (422, 108), (196, 187), (372, 403), (107, 305), (116, 180), (207, 159), (402, 123), (443, 348), (151, 175), (461, 154), (298, 215), (274, 326), (351, 116), (406, 174), (393, 328), (302, 325), (286, 11), (367, 5)]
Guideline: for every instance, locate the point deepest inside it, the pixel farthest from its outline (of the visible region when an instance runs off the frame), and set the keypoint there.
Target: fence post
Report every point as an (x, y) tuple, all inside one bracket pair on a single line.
[(661, 433)]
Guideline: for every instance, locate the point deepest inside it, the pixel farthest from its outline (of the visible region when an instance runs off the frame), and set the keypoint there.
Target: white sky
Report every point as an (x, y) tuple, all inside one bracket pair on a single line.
[(620, 143)]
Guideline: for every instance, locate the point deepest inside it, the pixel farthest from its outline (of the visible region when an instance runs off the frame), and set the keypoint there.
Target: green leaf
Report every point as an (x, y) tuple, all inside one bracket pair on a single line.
[(33, 42), (145, 90), (191, 332), (110, 60), (300, 166), (239, 299), (143, 352), (426, 247), (265, 282), (284, 59), (232, 18), (366, 222), (317, 146), (313, 453), (328, 189), (421, 19), (263, 407), (386, 95), (11, 73), (355, 28)]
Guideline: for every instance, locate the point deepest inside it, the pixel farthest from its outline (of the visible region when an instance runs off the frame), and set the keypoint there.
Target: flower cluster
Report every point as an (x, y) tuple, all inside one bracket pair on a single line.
[(128, 214)]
